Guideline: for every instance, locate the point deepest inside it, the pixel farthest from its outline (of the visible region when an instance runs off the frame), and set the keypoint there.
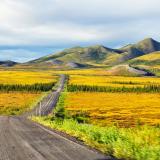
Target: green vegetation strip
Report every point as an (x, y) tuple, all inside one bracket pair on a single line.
[(87, 88), (141, 142), (128, 143), (33, 87)]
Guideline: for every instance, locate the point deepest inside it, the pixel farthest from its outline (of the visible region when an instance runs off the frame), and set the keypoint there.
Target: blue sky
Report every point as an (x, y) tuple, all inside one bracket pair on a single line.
[(33, 28)]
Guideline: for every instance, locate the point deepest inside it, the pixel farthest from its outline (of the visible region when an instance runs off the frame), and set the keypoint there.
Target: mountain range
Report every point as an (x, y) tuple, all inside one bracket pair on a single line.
[(98, 55), (146, 51), (7, 63)]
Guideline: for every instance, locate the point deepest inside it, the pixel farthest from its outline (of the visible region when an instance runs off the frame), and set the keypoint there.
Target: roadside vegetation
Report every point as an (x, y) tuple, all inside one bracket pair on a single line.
[(22, 90), (116, 115), (140, 142), (15, 103), (123, 143)]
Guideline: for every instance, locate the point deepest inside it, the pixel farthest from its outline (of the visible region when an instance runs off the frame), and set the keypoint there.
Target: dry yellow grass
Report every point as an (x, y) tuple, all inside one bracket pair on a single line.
[(113, 81), (150, 57), (17, 102), (83, 72), (24, 77), (126, 109)]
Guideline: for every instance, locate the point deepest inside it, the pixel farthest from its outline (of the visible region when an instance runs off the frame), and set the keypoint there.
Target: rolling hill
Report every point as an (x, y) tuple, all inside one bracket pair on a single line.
[(150, 59), (127, 70), (98, 55), (7, 63), (78, 56)]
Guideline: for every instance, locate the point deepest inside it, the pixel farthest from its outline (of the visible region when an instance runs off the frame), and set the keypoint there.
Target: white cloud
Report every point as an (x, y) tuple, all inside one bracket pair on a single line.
[(25, 54), (16, 53), (65, 23)]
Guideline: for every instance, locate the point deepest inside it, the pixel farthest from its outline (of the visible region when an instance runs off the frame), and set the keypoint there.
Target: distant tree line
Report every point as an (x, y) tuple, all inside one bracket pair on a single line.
[(124, 82), (87, 88), (43, 87)]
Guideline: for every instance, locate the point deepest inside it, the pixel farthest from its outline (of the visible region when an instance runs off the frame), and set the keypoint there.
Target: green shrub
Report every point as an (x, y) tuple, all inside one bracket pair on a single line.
[(87, 88), (80, 117), (59, 111), (33, 87), (139, 143)]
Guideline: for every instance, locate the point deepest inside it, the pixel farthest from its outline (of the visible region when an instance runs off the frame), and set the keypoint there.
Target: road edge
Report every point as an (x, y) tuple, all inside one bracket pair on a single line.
[(72, 139)]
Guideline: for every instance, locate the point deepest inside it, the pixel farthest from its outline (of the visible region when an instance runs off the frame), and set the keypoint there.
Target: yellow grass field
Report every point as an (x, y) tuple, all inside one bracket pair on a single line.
[(17, 102), (24, 77), (150, 57), (113, 81), (125, 109), (97, 71)]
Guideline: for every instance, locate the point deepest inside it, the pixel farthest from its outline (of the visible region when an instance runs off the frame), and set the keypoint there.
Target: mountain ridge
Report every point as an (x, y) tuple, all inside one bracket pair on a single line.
[(97, 55), (8, 63)]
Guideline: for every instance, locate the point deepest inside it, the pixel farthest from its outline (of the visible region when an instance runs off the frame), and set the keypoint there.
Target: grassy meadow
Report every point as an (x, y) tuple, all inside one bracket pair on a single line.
[(113, 81), (123, 123), (15, 103), (123, 109), (120, 107), (95, 71), (26, 77), (131, 143), (21, 90)]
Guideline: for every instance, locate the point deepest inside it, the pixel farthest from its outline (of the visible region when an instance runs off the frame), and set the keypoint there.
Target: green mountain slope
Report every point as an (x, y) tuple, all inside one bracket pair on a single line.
[(81, 57), (150, 59)]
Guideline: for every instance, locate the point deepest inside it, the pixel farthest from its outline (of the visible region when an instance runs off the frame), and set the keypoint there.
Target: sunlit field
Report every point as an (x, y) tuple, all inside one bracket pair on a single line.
[(125, 109), (112, 108), (24, 77), (15, 103), (21, 90), (97, 71), (113, 81)]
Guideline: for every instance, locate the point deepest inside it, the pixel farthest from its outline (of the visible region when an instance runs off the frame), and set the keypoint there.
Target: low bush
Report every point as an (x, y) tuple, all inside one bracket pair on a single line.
[(33, 87), (139, 143), (87, 88), (59, 111)]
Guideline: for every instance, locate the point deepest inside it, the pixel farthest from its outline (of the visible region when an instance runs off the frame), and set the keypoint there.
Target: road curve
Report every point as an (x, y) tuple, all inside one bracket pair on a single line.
[(47, 104), (22, 139)]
